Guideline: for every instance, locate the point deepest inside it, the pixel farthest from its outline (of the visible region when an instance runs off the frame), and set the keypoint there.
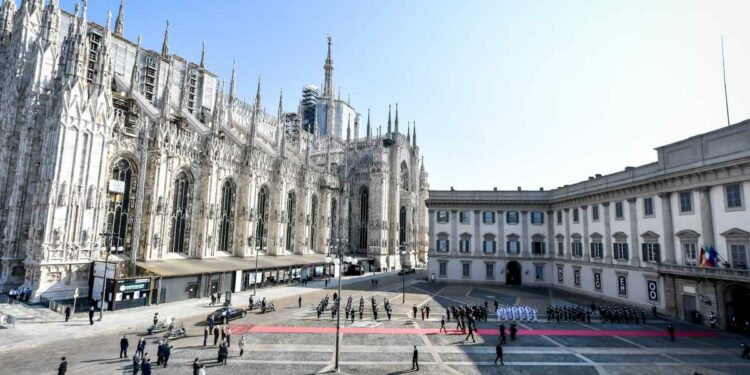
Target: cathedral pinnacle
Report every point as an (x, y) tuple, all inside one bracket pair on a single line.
[(109, 21), (408, 132), (281, 103), (120, 22), (369, 129), (396, 122), (414, 139), (257, 97), (328, 86), (136, 71), (389, 120), (203, 54), (232, 82), (165, 44)]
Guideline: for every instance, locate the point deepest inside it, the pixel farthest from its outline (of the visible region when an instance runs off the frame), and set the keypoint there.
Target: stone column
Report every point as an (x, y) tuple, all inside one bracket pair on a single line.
[(707, 218), (607, 234), (454, 233), (666, 215), (586, 238), (477, 235), (500, 233), (525, 233), (635, 251), (550, 235), (567, 233)]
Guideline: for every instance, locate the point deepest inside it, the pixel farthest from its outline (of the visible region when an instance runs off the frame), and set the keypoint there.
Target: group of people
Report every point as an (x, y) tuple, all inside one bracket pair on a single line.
[(215, 298), (20, 294), (569, 313), (141, 360), (514, 312), (621, 314), (463, 312)]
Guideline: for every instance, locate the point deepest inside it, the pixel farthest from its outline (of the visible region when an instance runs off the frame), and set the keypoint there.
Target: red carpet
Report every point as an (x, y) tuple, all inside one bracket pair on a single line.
[(245, 328)]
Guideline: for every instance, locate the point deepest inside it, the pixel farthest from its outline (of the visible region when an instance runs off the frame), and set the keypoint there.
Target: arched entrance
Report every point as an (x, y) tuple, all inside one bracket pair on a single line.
[(735, 304), (513, 273)]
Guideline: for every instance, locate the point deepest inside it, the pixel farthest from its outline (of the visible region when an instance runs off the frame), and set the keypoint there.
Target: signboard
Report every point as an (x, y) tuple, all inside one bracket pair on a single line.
[(75, 293), (622, 285), (653, 290), (560, 274), (117, 186), (133, 285), (577, 277), (598, 280)]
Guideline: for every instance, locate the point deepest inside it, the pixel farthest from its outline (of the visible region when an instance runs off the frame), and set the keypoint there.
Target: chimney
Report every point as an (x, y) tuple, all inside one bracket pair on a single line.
[(494, 188), (519, 188), (598, 175), (541, 189), (452, 188)]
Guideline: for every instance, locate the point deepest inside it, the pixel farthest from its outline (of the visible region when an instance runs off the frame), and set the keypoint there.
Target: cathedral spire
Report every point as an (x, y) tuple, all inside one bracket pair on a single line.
[(109, 22), (349, 128), (396, 122), (232, 84), (328, 86), (83, 24), (414, 139), (203, 54), (257, 96), (166, 97), (389, 119), (120, 22), (369, 129), (281, 104), (165, 43), (135, 74), (408, 132)]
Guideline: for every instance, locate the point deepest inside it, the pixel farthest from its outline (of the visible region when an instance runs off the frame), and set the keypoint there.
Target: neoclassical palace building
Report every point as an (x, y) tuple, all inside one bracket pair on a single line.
[(108, 147), (635, 236)]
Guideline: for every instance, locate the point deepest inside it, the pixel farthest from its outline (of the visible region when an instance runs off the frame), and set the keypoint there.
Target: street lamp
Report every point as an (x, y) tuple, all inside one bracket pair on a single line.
[(109, 250), (338, 244), (402, 252), (251, 240)]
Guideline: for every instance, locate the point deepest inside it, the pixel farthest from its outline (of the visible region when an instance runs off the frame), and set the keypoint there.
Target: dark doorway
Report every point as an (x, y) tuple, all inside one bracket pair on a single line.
[(689, 307), (513, 273), (192, 290), (735, 299)]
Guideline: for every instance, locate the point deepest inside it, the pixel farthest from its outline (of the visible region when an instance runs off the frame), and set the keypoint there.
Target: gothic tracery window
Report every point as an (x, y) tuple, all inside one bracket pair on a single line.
[(291, 209), (261, 227), (334, 218), (402, 226), (181, 202), (226, 222), (313, 221), (119, 222)]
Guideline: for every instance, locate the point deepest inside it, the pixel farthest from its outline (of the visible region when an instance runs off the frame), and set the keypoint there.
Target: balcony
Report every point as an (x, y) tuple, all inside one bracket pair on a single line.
[(705, 272)]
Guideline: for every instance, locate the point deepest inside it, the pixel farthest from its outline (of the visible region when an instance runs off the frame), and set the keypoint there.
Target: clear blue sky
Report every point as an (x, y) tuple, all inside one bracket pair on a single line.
[(505, 93)]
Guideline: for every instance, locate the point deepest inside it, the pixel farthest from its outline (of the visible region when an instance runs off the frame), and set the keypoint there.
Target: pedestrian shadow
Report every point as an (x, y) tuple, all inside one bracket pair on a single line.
[(107, 361), (401, 372)]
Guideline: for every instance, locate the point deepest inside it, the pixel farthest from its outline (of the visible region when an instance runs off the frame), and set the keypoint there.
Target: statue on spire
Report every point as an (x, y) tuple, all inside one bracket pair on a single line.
[(120, 23)]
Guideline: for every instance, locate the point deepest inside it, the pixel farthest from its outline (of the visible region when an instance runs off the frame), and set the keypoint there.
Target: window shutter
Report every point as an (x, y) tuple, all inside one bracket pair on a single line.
[(543, 252), (644, 252), (494, 246), (657, 253), (625, 252), (447, 245)]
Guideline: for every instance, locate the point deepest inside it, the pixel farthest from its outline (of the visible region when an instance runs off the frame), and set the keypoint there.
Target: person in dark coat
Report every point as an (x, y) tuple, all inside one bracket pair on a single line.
[(124, 347), (141, 347), (216, 335), (670, 329), (67, 313), (63, 368), (299, 301), (513, 332), (91, 315), (745, 351), (196, 367), (442, 326), (146, 366), (499, 352), (205, 335), (224, 355), (414, 309), (166, 352), (415, 359), (229, 337), (211, 322), (136, 364)]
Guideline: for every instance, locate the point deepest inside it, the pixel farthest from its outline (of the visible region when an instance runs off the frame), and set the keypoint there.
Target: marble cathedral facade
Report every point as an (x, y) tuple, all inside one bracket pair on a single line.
[(108, 144)]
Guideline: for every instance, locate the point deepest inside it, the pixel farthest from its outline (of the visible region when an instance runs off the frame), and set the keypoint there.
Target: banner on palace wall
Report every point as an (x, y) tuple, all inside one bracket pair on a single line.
[(622, 285), (560, 274), (653, 290), (597, 280), (577, 277)]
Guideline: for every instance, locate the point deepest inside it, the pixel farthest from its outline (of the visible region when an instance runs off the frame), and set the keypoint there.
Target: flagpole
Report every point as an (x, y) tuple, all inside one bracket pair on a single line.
[(724, 74)]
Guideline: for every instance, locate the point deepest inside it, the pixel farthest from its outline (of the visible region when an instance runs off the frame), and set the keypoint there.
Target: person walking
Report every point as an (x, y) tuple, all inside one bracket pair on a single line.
[(211, 322), (241, 344), (442, 326), (124, 347), (136, 363), (224, 354), (745, 351), (448, 314), (670, 329), (63, 367), (299, 301), (471, 332), (513, 332), (250, 303), (146, 366), (196, 367), (229, 336), (205, 335), (141, 347), (213, 300), (156, 318), (414, 309), (415, 359), (67, 313), (499, 352), (167, 351), (91, 315), (160, 353), (216, 335), (422, 313)]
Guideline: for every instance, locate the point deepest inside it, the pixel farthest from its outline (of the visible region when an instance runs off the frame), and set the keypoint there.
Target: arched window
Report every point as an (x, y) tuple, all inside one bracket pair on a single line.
[(402, 225), (119, 222), (261, 227), (291, 208), (313, 221), (334, 208), (226, 220), (364, 213), (180, 213)]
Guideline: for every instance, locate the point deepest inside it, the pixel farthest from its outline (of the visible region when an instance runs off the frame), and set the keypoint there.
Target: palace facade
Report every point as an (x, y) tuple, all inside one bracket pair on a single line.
[(634, 236), (111, 148)]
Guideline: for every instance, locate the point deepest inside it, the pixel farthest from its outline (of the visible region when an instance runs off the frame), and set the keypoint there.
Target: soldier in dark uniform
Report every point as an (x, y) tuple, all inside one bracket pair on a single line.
[(414, 359)]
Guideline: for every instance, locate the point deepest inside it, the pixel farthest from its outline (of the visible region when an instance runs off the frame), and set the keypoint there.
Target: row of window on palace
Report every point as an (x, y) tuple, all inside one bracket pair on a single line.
[(650, 249), (733, 200), (621, 280)]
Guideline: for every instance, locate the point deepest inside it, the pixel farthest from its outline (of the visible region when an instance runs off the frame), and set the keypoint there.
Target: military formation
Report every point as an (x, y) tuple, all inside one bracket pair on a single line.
[(568, 313), (622, 314), (523, 313)]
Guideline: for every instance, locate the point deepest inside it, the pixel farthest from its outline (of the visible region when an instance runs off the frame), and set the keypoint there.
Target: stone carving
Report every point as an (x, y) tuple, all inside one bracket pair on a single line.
[(62, 194)]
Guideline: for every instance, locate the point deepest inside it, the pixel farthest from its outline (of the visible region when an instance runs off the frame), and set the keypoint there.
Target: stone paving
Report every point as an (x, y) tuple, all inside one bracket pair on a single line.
[(278, 344)]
